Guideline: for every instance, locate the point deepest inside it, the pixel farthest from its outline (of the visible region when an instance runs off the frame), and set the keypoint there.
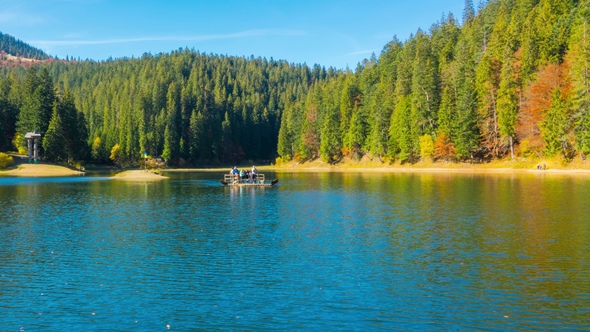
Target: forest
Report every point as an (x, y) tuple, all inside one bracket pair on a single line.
[(509, 80), (15, 47)]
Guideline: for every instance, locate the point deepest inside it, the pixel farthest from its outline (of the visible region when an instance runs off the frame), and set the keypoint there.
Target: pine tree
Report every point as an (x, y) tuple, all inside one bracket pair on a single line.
[(331, 144), (37, 106), (424, 87), (167, 153), (487, 83), (8, 114), (402, 137), (286, 136), (579, 57), (508, 104), (466, 130), (197, 135), (357, 132), (555, 126), (53, 143), (468, 12)]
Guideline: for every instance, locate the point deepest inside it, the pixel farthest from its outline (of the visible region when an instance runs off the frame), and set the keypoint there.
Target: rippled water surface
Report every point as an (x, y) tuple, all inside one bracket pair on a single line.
[(317, 252)]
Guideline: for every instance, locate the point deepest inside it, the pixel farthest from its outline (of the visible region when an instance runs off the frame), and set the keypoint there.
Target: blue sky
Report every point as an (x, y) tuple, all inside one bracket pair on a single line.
[(328, 32)]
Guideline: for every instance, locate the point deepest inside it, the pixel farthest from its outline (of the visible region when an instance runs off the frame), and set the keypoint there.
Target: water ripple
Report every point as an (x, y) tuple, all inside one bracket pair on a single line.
[(317, 252)]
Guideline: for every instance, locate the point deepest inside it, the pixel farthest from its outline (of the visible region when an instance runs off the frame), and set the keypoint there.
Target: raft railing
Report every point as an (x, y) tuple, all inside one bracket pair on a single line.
[(236, 179)]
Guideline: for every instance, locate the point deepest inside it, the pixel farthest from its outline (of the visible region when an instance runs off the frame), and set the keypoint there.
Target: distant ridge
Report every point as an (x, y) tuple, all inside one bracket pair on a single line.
[(11, 48)]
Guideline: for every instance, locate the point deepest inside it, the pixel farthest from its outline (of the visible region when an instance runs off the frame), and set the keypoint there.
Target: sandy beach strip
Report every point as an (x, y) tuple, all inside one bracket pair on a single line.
[(451, 168), (40, 170), (139, 175)]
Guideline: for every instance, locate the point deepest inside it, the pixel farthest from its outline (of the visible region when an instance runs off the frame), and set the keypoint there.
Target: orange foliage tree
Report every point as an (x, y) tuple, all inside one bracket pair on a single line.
[(444, 148), (552, 79)]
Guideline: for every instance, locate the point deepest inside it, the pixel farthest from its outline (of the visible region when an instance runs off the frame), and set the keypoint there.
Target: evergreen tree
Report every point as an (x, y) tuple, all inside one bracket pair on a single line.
[(53, 143), (487, 84), (331, 144), (446, 114), (37, 106), (197, 130), (555, 126), (424, 87), (579, 57), (402, 138), (357, 132), (8, 114), (508, 104), (468, 12), (286, 136), (466, 130)]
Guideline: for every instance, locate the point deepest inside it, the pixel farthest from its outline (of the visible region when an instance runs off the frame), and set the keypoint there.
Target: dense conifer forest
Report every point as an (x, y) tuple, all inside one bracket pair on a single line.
[(510, 79), (18, 48)]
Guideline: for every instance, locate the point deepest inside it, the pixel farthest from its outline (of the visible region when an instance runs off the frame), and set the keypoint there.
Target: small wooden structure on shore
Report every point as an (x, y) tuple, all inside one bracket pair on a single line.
[(33, 146), (258, 181)]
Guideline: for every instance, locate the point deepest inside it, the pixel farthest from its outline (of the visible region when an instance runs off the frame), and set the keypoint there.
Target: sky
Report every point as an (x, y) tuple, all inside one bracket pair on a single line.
[(331, 33)]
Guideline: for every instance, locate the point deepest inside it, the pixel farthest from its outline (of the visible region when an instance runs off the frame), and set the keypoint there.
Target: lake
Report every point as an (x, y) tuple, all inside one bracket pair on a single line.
[(319, 251)]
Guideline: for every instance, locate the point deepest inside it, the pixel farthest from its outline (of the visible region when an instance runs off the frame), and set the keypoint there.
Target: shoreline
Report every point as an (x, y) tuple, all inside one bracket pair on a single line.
[(391, 170), (40, 170), (138, 175), (47, 170), (320, 167)]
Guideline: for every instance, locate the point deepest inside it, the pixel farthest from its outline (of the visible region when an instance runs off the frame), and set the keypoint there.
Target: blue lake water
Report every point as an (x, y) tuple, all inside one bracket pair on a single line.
[(319, 251)]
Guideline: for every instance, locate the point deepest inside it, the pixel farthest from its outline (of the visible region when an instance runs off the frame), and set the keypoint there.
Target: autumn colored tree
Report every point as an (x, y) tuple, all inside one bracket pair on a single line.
[(547, 95), (444, 148), (426, 147)]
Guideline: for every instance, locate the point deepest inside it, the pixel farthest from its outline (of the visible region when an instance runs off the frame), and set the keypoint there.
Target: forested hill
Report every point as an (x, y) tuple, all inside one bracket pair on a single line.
[(17, 48), (511, 79), (187, 107)]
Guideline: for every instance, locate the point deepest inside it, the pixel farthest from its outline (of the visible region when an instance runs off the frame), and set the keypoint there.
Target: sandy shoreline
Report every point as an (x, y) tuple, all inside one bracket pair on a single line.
[(45, 170), (139, 175), (391, 169), (40, 170)]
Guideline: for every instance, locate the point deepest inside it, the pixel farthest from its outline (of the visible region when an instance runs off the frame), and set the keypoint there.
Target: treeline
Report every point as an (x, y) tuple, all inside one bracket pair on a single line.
[(187, 107), (513, 79), (15, 47)]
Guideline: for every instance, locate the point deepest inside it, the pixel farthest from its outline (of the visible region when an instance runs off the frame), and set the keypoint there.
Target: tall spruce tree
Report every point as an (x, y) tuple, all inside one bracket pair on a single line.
[(53, 143), (579, 58), (508, 104)]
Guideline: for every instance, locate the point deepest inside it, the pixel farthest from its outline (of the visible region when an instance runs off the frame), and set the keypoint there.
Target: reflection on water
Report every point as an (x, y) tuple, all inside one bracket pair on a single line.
[(319, 251)]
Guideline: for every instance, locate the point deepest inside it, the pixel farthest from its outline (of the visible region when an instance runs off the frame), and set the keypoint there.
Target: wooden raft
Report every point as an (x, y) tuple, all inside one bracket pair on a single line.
[(259, 181)]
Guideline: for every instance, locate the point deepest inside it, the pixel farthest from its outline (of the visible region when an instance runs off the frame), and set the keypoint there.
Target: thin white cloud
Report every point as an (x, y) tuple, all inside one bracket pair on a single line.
[(361, 52), (237, 35)]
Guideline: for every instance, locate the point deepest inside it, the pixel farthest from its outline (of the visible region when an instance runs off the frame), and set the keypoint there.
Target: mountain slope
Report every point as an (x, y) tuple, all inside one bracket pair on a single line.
[(18, 48)]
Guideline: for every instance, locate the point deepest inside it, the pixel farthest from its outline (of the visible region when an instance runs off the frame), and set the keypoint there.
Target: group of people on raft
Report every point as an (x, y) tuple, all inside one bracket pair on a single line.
[(244, 174)]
